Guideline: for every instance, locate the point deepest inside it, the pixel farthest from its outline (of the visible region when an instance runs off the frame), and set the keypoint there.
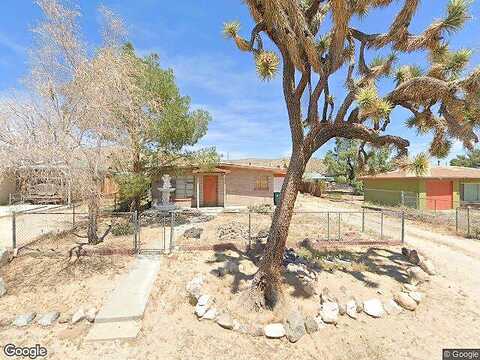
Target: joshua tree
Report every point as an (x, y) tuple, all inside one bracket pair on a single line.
[(314, 50)]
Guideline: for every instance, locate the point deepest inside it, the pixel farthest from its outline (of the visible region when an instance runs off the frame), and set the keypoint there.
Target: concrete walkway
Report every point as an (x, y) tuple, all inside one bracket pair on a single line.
[(120, 317)]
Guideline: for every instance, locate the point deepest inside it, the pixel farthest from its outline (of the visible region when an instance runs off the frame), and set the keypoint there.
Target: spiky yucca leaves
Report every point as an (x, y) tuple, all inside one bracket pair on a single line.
[(419, 165), (231, 29), (323, 43), (267, 63), (371, 105), (457, 15), (440, 146), (407, 72)]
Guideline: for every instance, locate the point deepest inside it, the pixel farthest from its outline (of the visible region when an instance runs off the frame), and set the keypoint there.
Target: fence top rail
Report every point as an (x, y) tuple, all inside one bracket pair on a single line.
[(102, 213)]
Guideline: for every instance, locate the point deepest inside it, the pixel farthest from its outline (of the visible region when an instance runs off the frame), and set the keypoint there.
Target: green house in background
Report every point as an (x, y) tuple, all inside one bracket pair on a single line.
[(444, 188)]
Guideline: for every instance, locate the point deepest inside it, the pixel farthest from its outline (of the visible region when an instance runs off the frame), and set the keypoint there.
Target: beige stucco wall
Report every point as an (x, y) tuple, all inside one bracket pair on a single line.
[(240, 187)]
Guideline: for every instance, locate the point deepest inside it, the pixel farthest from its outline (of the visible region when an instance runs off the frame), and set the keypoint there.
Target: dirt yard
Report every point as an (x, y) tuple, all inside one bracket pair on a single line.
[(447, 317)]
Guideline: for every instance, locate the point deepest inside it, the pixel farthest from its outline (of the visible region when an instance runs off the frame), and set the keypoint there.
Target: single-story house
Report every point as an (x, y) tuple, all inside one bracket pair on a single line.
[(443, 188), (225, 185)]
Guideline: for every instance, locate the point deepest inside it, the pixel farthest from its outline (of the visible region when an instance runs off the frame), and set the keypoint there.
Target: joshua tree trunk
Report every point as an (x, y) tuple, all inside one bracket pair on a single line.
[(266, 285)]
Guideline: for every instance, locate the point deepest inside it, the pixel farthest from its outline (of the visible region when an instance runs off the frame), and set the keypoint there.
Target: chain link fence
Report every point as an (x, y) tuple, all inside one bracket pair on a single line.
[(321, 228), (55, 227)]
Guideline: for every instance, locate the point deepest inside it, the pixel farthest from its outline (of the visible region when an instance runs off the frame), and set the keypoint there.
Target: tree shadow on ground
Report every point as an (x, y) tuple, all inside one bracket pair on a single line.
[(379, 261), (230, 253)]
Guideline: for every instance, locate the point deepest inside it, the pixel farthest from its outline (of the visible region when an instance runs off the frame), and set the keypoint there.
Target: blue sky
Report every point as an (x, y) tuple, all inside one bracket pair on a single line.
[(249, 116)]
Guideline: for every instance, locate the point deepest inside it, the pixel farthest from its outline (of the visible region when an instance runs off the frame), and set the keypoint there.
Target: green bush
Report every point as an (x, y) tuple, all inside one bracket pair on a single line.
[(123, 229)]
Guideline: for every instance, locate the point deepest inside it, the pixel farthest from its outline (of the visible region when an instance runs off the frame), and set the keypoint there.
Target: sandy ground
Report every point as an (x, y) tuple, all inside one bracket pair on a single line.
[(448, 317)]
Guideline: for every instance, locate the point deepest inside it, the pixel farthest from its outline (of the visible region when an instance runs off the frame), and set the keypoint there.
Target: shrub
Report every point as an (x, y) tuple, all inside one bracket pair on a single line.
[(123, 229)]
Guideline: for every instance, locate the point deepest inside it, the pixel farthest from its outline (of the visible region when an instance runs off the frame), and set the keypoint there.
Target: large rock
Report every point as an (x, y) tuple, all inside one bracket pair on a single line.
[(3, 287), (204, 300), (201, 310), (427, 266), (90, 314), (210, 314), (225, 320), (295, 326), (416, 275), (311, 325), (24, 319), (48, 318), (415, 295), (78, 316), (405, 301), (374, 308), (4, 256), (351, 308), (409, 287), (194, 287), (329, 312), (247, 267), (274, 331), (392, 308)]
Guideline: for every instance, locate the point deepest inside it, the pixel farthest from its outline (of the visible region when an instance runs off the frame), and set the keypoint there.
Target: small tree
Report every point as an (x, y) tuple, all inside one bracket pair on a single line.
[(159, 132), (443, 99), (350, 159), (471, 159)]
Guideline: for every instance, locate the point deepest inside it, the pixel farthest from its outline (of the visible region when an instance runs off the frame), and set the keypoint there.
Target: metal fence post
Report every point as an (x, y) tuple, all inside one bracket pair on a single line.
[(14, 230), (73, 215), (328, 226), (468, 221), (172, 230), (402, 198), (249, 228), (403, 227), (381, 225), (363, 219)]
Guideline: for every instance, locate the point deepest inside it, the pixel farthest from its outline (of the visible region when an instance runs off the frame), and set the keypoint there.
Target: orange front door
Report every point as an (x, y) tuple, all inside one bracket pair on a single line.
[(210, 190), (439, 194)]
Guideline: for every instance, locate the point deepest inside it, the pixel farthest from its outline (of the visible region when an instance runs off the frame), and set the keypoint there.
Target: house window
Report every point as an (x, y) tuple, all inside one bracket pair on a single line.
[(261, 183), (183, 187), (471, 193)]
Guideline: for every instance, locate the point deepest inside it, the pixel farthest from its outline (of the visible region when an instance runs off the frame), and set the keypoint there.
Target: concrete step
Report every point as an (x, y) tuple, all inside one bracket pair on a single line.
[(121, 330)]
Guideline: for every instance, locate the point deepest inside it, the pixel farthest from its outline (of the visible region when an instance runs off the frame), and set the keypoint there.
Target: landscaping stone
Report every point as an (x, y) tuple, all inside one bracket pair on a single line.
[(405, 301), (311, 325), (392, 308), (351, 309), (359, 306), (428, 267), (320, 323), (415, 295), (256, 330), (247, 267), (4, 256), (342, 309), (374, 308), (193, 233), (225, 321), (329, 312), (409, 287), (78, 316), (325, 296), (295, 326), (416, 275), (203, 300), (201, 310), (90, 314), (3, 287), (194, 287), (48, 318), (24, 319), (274, 331), (64, 318), (210, 314)]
